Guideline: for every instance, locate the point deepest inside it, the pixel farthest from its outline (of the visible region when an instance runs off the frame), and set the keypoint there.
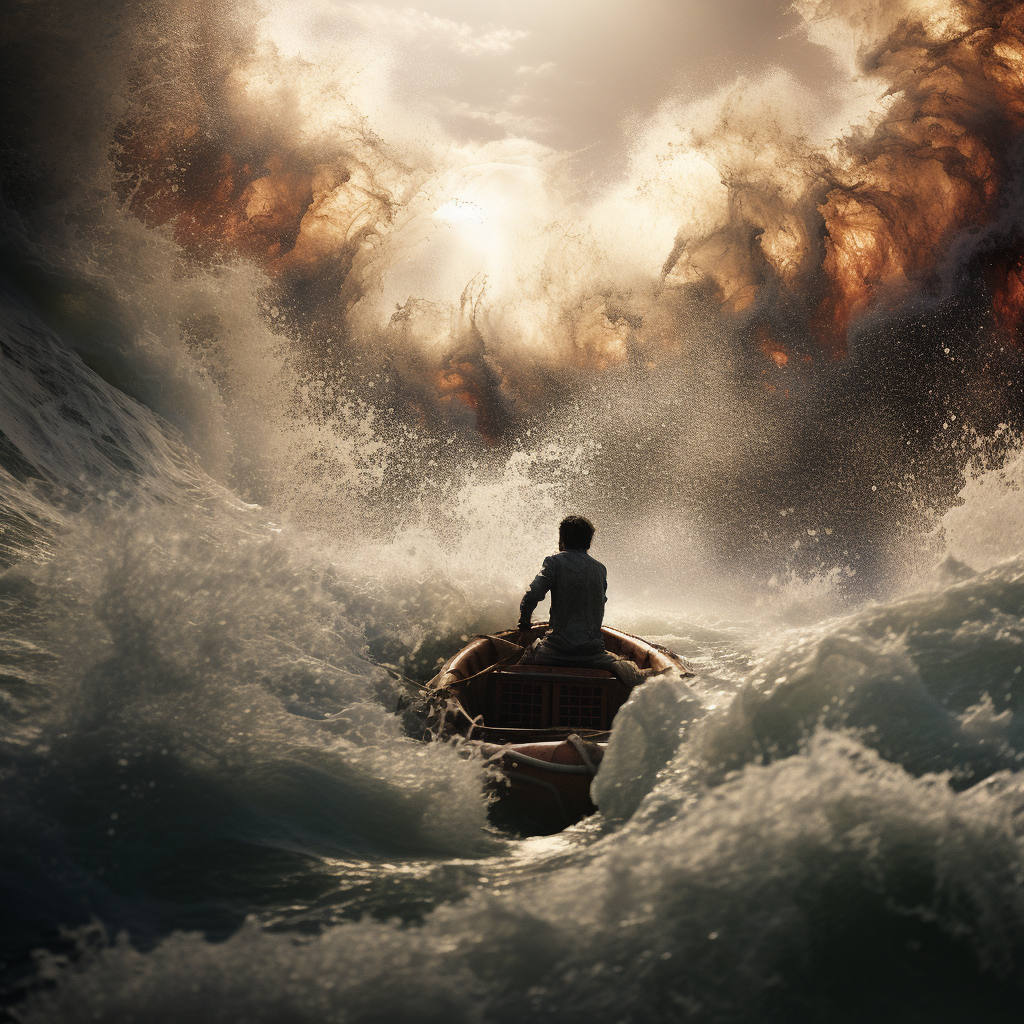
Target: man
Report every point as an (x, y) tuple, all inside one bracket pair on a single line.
[(578, 585)]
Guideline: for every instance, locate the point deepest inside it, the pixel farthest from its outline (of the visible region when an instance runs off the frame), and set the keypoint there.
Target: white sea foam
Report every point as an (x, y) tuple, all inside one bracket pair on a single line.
[(815, 863), (197, 710), (986, 526)]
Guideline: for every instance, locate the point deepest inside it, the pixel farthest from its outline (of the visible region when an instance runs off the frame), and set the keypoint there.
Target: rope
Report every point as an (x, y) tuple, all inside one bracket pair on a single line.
[(581, 749), (508, 751), (498, 637), (548, 766), (488, 668)]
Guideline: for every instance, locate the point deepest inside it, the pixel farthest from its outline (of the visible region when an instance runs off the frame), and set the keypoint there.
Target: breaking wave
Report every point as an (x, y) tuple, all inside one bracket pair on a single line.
[(295, 387)]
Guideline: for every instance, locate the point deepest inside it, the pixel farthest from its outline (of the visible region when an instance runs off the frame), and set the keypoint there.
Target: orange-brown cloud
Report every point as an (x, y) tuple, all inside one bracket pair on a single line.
[(871, 223), (890, 203)]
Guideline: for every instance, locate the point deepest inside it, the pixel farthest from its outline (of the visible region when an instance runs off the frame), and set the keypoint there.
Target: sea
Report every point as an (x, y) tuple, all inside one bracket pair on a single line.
[(260, 476)]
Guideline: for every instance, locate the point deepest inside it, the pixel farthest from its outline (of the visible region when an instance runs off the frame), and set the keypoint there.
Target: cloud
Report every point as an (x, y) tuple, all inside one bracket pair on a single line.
[(517, 124), (414, 24), (536, 70), (505, 117)]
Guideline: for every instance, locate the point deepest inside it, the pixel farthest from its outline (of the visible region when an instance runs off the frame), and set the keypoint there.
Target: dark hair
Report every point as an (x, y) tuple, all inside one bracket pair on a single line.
[(576, 533)]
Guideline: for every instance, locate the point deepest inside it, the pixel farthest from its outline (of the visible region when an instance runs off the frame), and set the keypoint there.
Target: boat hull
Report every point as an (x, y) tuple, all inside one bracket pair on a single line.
[(544, 726), (546, 785)]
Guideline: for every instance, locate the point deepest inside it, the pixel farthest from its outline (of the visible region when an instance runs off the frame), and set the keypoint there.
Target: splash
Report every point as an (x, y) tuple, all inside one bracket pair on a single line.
[(347, 298), (984, 528)]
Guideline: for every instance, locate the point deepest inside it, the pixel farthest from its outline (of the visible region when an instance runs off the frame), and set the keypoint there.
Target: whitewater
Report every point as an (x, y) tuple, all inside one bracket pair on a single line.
[(265, 464)]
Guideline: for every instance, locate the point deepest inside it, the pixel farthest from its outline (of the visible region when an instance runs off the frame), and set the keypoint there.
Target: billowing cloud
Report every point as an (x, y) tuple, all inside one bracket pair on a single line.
[(756, 195), (412, 24), (761, 249)]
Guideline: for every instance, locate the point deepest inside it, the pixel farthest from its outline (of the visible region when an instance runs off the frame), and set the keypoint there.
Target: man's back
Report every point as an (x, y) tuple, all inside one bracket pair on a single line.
[(577, 584)]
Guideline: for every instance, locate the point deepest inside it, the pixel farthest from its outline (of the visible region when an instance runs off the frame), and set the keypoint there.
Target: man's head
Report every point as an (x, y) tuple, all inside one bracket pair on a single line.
[(575, 533)]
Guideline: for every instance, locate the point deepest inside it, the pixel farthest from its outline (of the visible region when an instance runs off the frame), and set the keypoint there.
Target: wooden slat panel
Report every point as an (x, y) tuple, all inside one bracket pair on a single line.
[(587, 708)]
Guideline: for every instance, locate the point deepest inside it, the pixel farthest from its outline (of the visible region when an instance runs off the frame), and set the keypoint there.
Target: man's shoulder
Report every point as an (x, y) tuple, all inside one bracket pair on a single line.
[(577, 557), (549, 565)]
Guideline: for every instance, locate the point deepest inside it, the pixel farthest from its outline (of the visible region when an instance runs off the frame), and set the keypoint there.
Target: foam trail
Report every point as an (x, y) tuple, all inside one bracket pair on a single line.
[(914, 870)]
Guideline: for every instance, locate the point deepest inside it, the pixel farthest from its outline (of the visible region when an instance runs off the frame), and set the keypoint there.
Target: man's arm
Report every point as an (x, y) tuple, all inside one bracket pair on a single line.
[(535, 594)]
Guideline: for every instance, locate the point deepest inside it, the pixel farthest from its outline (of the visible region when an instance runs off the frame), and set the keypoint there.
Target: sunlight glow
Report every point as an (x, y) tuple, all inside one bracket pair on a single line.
[(461, 212)]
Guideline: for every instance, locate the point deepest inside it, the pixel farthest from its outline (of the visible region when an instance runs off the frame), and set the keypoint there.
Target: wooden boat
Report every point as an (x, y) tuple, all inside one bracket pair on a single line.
[(546, 726)]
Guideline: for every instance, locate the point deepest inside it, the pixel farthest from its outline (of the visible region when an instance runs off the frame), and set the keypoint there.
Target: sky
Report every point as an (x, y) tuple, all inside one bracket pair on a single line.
[(574, 75)]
